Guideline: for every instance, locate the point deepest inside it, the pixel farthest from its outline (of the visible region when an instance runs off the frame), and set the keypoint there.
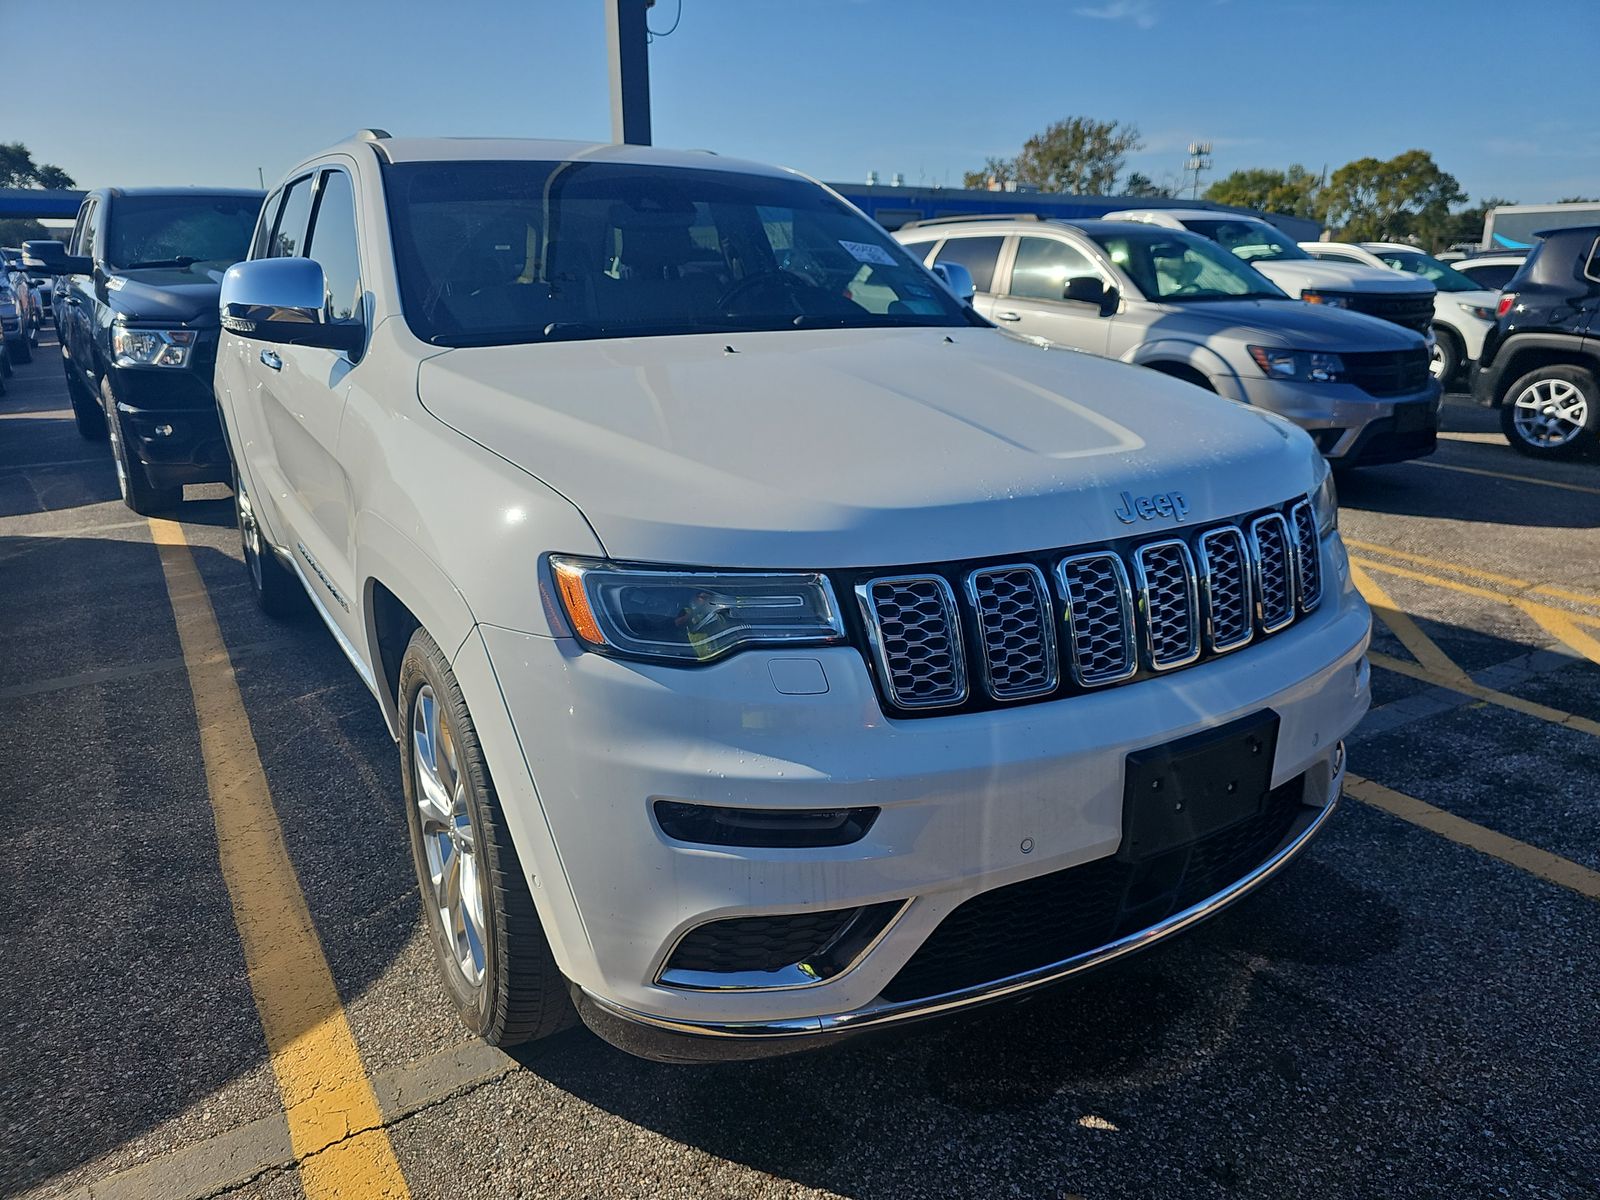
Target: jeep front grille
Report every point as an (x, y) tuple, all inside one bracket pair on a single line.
[(954, 636)]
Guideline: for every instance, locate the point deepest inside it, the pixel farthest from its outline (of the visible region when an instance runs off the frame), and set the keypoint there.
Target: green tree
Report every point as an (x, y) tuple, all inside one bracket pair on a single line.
[(1292, 191), (1466, 225), (1141, 185), (1408, 195), (16, 230), (996, 170), (1579, 200), (1079, 155), (18, 170)]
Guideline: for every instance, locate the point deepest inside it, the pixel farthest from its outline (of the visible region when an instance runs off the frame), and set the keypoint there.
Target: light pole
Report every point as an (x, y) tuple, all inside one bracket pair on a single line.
[(627, 43)]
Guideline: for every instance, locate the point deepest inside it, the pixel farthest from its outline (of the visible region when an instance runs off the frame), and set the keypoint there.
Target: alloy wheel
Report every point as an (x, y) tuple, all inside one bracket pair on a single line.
[(1550, 413), (448, 838), (249, 532)]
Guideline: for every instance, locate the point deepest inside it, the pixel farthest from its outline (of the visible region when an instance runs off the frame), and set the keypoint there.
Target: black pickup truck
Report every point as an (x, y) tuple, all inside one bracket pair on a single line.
[(136, 298), (1541, 362)]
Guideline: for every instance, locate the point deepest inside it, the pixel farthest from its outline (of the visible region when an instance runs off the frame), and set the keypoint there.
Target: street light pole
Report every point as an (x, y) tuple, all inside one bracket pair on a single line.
[(627, 43)]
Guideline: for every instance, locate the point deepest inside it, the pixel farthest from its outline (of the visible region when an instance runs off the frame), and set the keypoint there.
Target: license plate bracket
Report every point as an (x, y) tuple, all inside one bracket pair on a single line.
[(1178, 792)]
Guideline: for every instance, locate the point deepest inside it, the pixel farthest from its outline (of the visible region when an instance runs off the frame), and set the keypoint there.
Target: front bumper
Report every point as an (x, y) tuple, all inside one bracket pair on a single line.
[(1350, 427), (170, 421), (969, 802)]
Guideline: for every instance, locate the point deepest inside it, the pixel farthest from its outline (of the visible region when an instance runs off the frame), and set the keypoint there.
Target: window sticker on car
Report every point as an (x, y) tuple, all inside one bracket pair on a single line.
[(868, 253)]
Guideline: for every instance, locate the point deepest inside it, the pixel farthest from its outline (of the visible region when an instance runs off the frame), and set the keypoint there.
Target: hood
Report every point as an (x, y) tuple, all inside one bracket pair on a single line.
[(846, 448), (162, 294), (1293, 275), (1288, 325)]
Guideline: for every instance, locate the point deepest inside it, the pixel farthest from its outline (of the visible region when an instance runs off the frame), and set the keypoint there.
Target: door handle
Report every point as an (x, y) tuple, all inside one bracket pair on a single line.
[(270, 359), (1008, 315)]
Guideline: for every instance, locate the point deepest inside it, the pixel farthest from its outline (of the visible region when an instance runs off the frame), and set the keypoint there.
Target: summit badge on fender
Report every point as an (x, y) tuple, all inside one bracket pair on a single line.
[(1148, 508)]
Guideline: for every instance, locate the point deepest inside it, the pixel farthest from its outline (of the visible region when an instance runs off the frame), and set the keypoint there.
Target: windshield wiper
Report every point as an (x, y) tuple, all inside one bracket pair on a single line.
[(181, 261)]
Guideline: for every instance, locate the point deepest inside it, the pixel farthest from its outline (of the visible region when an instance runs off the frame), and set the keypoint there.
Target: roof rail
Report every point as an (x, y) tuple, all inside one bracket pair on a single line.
[(973, 217), (371, 135)]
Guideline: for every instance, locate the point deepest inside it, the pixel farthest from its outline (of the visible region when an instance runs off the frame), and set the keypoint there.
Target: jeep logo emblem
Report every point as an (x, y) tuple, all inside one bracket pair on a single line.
[(1148, 508)]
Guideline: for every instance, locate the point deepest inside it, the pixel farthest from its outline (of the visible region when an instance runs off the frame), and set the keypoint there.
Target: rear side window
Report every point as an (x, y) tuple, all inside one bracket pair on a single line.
[(976, 254), (289, 235), (333, 245), (1495, 275), (1043, 267)]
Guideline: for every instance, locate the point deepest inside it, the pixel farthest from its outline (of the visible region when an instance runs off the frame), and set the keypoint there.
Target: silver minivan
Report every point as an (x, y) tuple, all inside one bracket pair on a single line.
[(1180, 304)]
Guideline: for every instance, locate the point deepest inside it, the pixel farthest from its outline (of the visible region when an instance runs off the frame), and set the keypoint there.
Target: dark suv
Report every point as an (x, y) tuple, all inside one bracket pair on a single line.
[(1541, 361), (136, 294)]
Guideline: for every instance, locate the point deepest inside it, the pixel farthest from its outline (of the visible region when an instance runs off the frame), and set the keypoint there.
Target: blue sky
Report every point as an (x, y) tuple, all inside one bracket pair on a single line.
[(190, 91)]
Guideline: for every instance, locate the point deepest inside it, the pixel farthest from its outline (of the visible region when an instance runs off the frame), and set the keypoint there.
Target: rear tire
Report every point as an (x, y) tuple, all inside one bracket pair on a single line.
[(138, 493), (20, 350), (277, 590), (6, 369), (1552, 412), (1447, 356), (492, 952), (89, 416)]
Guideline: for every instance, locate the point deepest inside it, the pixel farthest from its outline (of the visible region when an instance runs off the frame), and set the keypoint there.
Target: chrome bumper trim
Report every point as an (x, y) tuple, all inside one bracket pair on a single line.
[(742, 1039)]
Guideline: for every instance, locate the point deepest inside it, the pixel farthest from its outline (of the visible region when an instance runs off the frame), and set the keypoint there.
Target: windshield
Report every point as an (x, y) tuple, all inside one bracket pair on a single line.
[(495, 253), (1248, 239), (1167, 265), (180, 231), (1443, 276)]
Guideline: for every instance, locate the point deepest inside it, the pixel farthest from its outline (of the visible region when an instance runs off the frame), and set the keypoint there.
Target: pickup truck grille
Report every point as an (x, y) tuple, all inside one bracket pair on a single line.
[(1414, 311), (1387, 372), (953, 636)]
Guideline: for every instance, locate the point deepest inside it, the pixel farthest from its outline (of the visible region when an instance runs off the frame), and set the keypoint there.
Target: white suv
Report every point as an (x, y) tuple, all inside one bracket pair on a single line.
[(775, 650), (1463, 310)]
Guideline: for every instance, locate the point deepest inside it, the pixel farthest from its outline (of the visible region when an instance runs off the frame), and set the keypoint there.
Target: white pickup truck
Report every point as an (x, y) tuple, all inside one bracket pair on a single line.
[(776, 650)]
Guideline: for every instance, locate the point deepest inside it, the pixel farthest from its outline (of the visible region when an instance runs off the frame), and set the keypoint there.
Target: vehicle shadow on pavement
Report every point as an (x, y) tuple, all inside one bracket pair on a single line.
[(1419, 493)]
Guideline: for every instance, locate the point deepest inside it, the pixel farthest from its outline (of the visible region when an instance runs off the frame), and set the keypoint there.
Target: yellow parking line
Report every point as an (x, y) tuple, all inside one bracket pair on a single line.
[(1444, 564), (1541, 863), (1468, 687), (1403, 627), (1545, 589), (1453, 585), (334, 1123), (1564, 629), (1554, 483)]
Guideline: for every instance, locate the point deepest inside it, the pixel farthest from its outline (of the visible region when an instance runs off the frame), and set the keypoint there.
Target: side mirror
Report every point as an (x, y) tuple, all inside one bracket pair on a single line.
[(47, 257), (284, 300), (958, 279), (1085, 289)]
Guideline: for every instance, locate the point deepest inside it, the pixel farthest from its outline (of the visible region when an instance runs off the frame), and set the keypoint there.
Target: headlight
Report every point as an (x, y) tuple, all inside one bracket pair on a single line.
[(693, 616), (1312, 365), (1325, 503), (151, 347), (1482, 311), (1331, 299)]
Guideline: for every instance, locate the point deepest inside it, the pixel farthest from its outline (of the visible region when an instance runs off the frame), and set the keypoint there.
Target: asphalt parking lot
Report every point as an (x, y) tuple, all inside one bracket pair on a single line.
[(1412, 1010)]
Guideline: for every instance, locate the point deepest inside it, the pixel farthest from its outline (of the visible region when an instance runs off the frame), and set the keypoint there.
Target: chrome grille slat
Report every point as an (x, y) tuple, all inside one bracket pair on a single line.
[(1099, 608), (1225, 580), (1016, 628), (1273, 551), (916, 639), (1169, 602), (1308, 554)]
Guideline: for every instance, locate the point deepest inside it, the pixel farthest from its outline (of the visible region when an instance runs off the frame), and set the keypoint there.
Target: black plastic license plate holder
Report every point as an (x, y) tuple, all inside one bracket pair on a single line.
[(1181, 791)]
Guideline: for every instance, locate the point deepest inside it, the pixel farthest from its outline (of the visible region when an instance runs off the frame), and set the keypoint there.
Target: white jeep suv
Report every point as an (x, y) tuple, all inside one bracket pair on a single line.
[(775, 650)]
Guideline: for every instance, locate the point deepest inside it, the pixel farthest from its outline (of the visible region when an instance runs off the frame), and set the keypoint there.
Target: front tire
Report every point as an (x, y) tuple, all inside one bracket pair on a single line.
[(1552, 412), (21, 351), (6, 369), (138, 493), (277, 591), (86, 413), (491, 949)]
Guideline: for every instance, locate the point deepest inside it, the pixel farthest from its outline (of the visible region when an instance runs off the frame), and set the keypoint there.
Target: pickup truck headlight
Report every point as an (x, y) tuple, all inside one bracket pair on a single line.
[(688, 617), (151, 347), (1312, 365), (1330, 299), (1482, 311), (1325, 503)]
